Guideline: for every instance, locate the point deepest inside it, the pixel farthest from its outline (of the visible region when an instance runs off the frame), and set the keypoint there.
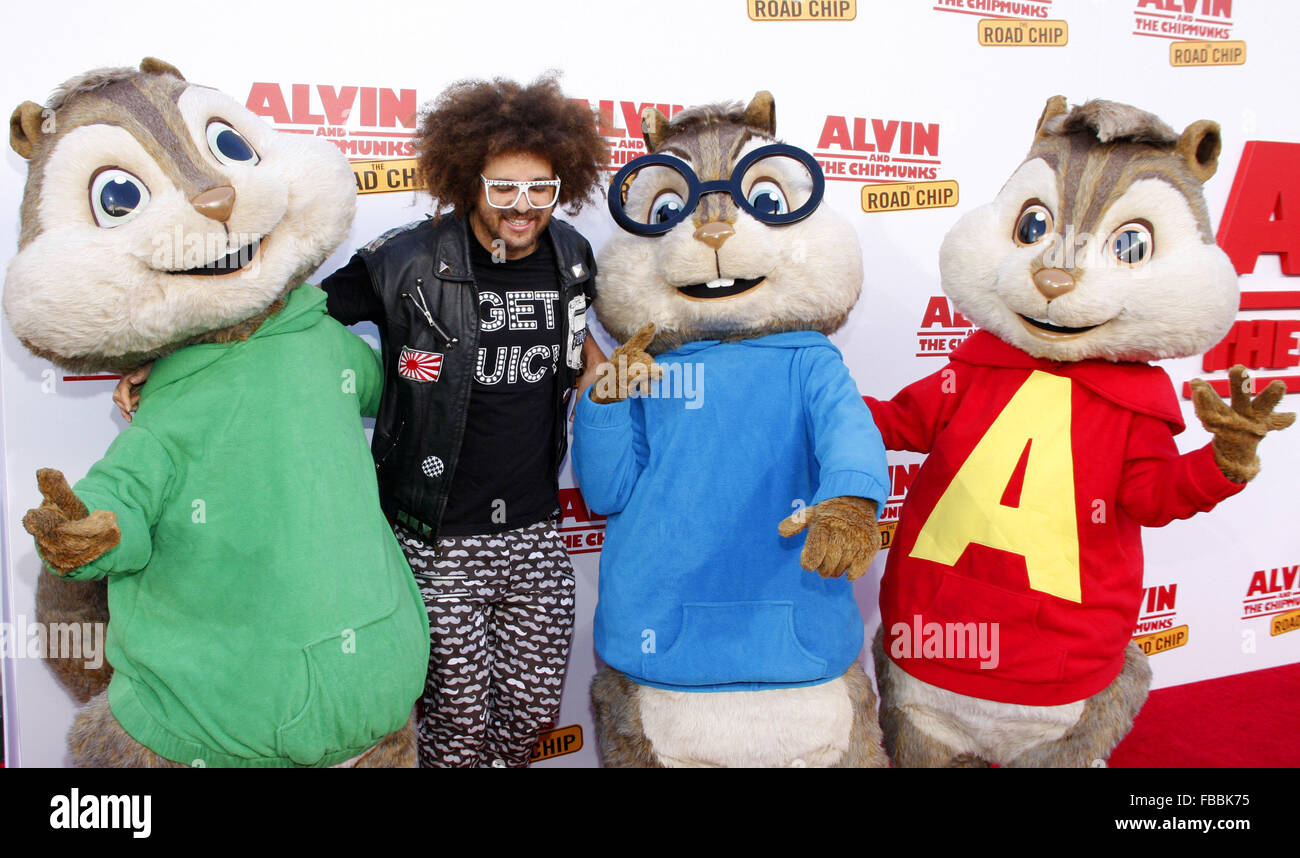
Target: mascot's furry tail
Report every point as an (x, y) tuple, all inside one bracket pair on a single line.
[(85, 603)]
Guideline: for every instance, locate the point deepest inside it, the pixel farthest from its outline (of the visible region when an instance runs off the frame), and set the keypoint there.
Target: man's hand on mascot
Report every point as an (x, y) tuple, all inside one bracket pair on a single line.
[(126, 396), (842, 535), (1238, 429), (629, 369), (66, 534)]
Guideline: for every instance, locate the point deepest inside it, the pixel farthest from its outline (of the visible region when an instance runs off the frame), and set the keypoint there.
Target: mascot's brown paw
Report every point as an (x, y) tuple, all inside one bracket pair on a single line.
[(842, 535), (67, 536), (1238, 429), (628, 369)]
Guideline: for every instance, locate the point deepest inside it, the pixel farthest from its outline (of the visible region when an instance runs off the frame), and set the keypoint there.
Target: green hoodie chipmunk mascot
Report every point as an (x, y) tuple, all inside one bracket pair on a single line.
[(260, 610)]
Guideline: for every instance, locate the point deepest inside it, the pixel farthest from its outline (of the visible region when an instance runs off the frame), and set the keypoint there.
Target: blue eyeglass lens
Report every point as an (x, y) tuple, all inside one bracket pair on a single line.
[(654, 195), (777, 185)]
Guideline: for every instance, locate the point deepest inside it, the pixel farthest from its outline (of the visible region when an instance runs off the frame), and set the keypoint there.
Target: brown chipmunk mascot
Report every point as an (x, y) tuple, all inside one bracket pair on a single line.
[(1050, 442), (726, 410), (262, 613)]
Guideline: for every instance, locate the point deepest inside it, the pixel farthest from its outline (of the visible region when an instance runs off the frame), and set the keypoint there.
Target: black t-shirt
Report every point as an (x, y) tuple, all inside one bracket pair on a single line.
[(506, 473)]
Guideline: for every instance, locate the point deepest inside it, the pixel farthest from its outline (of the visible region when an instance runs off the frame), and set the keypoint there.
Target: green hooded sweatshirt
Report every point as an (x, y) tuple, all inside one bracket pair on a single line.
[(262, 613)]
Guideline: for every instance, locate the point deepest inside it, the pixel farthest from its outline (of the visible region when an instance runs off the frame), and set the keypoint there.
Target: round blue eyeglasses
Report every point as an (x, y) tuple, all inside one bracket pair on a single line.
[(777, 184)]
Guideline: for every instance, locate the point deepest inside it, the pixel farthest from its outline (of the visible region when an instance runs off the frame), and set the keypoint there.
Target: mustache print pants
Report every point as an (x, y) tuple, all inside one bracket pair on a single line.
[(501, 612)]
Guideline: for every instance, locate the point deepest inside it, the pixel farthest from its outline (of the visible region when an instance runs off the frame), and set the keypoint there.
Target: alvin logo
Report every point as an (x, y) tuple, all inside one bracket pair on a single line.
[(1274, 593), (619, 122), (942, 329), (363, 121), (1260, 217), (373, 126), (862, 149), (1183, 19), (582, 530), (896, 160), (997, 8), (1156, 631)]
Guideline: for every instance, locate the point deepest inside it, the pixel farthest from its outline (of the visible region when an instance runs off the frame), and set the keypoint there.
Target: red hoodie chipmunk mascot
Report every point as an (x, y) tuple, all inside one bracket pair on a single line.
[(1051, 445)]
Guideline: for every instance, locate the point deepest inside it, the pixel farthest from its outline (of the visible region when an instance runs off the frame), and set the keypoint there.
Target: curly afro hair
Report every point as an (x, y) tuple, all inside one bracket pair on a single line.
[(473, 121)]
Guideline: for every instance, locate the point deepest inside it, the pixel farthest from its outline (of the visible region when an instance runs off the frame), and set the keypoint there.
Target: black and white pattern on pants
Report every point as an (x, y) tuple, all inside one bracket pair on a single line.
[(501, 619)]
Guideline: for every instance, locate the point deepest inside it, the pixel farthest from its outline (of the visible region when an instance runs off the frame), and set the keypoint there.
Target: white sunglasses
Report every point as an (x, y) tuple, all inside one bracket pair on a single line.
[(540, 194)]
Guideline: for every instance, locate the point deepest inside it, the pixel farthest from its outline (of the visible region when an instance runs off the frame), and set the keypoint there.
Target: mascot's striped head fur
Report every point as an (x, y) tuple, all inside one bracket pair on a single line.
[(805, 275), (1099, 245), (159, 213)]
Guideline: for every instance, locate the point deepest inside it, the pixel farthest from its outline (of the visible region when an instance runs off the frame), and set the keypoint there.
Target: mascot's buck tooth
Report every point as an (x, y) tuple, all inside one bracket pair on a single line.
[(722, 651), (262, 611), (1050, 444)]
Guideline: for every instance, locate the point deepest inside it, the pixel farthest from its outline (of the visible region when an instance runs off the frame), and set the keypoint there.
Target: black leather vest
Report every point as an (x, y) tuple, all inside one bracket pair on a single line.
[(421, 423)]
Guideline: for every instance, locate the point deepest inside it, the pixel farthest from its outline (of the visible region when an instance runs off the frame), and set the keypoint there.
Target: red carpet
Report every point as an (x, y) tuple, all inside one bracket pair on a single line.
[(1243, 721)]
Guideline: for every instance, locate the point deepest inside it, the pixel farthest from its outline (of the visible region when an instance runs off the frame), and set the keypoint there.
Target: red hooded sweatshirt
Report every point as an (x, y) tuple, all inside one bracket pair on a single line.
[(1027, 514)]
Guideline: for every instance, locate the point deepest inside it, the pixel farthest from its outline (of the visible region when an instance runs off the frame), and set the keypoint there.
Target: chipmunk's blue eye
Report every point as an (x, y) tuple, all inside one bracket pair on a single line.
[(767, 198), (119, 198), (666, 207), (116, 197), (228, 145), (1131, 244), (1035, 222)]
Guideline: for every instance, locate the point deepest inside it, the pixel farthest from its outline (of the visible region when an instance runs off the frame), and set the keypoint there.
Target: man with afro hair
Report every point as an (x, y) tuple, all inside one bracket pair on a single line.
[(481, 310)]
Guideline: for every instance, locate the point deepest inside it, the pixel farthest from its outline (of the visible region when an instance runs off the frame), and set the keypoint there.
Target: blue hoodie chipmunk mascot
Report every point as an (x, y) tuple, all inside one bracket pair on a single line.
[(732, 452)]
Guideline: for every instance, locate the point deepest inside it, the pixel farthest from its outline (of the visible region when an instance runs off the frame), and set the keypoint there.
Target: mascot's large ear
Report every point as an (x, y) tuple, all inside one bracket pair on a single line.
[(761, 113), (1199, 147), (653, 126), (25, 127), (1056, 105), (153, 65)]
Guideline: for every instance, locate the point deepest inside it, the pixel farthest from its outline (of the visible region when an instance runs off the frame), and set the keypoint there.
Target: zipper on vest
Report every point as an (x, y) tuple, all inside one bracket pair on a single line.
[(421, 304)]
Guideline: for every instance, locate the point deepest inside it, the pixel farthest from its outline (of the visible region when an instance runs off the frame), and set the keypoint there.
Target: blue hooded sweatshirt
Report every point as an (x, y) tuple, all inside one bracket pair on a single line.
[(698, 590)]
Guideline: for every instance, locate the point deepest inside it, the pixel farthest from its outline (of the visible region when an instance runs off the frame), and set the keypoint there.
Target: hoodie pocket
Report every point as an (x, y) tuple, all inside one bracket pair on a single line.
[(726, 642), (1021, 652), (361, 685)]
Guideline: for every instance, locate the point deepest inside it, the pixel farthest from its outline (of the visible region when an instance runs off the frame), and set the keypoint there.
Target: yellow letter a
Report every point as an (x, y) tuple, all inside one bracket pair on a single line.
[(1044, 527)]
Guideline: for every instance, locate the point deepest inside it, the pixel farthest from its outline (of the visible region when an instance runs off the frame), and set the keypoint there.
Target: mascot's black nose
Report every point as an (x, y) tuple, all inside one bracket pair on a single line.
[(215, 203), (714, 233)]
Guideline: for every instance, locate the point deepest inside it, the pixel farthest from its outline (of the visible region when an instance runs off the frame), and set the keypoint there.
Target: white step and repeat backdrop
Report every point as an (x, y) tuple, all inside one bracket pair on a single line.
[(941, 95)]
